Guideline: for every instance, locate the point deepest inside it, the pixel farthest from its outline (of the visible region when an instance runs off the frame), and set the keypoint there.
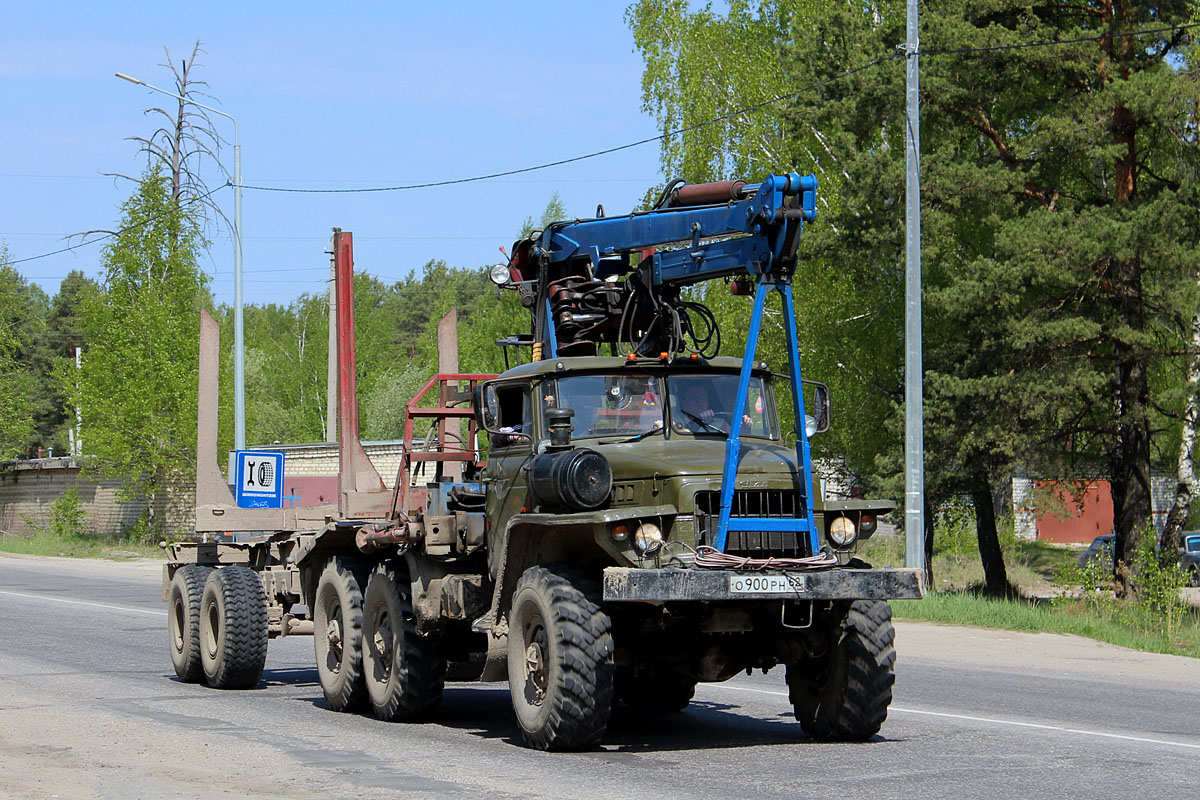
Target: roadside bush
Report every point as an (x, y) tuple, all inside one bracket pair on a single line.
[(1159, 581), (954, 531), (66, 519)]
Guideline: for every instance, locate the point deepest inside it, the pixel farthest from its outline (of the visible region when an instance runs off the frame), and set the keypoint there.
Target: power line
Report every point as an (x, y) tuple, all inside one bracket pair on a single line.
[(111, 234), (723, 117), (586, 156)]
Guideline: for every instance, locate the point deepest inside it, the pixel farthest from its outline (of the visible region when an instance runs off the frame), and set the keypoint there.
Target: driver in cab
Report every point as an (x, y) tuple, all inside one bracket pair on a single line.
[(696, 413)]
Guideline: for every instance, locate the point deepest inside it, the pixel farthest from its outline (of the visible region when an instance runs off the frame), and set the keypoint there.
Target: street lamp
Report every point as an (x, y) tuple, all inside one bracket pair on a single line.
[(239, 361)]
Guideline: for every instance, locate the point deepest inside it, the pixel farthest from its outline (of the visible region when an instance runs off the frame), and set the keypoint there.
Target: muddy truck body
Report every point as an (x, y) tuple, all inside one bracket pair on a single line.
[(642, 522)]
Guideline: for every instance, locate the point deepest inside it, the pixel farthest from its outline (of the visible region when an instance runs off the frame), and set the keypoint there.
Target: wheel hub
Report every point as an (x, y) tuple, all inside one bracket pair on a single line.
[(535, 671), (382, 643), (333, 635)]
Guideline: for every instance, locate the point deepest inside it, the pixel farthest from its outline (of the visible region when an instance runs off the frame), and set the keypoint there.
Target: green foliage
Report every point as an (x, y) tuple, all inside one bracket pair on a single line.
[(954, 530), (1157, 607), (67, 517), (137, 386), (16, 409), (142, 531), (1159, 584), (1059, 240)]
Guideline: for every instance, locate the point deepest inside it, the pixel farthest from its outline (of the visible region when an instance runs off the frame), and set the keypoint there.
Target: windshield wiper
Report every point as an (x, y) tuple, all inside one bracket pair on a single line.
[(708, 425), (637, 437)]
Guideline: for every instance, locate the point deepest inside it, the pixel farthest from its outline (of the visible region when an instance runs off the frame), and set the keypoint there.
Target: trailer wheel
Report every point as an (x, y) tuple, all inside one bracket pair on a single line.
[(183, 621), (337, 634), (233, 628), (844, 696), (405, 671), (560, 659), (656, 690)]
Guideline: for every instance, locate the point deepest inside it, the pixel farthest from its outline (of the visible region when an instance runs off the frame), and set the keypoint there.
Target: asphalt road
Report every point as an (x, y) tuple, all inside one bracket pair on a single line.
[(90, 708)]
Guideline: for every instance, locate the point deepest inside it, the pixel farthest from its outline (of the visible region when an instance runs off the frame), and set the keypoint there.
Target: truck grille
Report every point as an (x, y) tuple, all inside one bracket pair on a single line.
[(769, 503)]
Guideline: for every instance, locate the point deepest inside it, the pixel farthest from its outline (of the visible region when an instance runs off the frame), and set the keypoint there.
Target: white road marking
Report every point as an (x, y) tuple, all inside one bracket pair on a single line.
[(83, 603), (893, 709), (990, 720)]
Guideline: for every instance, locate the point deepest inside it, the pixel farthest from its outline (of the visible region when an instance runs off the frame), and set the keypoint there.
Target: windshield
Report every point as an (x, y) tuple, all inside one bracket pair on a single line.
[(1193, 544), (629, 404), (703, 405), (609, 405)]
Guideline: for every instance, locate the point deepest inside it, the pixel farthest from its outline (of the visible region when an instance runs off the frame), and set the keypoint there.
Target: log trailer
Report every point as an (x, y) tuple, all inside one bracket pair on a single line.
[(641, 522)]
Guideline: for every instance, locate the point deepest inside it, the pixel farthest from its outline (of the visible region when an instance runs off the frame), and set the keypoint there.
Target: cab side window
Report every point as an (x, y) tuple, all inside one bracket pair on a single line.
[(516, 417)]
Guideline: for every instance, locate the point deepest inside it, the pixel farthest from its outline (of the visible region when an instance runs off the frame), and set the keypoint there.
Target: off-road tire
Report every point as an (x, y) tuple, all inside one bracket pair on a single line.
[(233, 628), (844, 696), (658, 690), (337, 635), (1194, 577), (405, 672), (183, 621), (560, 659)]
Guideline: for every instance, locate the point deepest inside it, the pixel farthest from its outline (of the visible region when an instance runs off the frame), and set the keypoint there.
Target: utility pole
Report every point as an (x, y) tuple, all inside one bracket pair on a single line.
[(914, 437), (75, 435)]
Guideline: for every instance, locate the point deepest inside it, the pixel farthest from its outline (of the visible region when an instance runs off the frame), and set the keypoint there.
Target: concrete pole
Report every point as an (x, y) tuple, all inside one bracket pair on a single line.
[(914, 439), (77, 438), (239, 342)]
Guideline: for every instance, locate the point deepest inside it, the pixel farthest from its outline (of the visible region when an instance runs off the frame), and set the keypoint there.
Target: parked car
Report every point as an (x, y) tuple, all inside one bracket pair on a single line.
[(1189, 557), (1101, 547)]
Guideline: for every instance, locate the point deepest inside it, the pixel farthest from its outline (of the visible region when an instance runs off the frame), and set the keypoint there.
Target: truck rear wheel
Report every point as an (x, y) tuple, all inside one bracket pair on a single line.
[(844, 695), (233, 628), (405, 671), (337, 635), (560, 659), (183, 621)]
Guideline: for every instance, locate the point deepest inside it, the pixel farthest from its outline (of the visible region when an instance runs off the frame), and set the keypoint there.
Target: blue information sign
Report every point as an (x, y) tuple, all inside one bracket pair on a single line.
[(259, 479)]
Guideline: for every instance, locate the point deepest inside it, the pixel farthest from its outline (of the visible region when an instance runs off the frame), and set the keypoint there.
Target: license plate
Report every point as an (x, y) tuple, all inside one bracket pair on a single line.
[(766, 584)]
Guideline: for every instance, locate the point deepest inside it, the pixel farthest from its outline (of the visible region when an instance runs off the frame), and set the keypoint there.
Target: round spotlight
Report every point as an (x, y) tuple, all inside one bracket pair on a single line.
[(648, 538), (500, 275)]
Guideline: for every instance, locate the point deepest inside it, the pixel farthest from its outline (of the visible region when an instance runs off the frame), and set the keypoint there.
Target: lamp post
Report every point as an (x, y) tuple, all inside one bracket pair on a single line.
[(239, 364)]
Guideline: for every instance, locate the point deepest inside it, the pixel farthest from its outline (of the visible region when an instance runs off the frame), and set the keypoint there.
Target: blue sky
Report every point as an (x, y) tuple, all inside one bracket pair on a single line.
[(325, 97)]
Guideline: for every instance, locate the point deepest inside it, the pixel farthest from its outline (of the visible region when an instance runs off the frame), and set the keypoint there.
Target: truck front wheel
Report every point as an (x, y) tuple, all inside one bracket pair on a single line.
[(233, 628), (560, 659), (337, 634), (844, 695), (183, 624), (405, 671)]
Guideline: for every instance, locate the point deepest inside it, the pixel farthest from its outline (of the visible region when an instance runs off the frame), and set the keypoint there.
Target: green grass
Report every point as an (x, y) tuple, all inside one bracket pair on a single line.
[(1032, 568), (1138, 630), (47, 543), (1030, 565)]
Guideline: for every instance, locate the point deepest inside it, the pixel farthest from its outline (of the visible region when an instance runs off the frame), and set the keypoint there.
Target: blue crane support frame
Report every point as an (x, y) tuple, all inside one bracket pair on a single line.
[(764, 231)]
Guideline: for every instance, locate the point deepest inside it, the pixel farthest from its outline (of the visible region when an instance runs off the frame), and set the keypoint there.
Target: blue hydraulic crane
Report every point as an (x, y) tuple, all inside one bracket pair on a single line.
[(580, 283)]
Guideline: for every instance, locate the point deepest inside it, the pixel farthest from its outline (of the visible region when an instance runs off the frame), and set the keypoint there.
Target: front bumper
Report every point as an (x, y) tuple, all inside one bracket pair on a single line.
[(625, 584)]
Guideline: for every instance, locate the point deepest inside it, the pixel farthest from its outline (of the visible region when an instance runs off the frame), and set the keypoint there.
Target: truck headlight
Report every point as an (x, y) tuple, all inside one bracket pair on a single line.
[(810, 426), (648, 538), (841, 533)]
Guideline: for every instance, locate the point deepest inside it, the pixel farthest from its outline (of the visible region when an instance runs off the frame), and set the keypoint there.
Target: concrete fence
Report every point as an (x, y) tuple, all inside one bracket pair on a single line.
[(29, 488)]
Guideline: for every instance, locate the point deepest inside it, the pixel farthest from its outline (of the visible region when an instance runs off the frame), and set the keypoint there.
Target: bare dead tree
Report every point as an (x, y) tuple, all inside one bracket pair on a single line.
[(185, 139)]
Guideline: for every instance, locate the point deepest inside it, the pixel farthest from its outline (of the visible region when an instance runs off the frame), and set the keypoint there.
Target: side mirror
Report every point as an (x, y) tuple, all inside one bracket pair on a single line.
[(487, 407), (817, 408)]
